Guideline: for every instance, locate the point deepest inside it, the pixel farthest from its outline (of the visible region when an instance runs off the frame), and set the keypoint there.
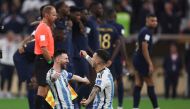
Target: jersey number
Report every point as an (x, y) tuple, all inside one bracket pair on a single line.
[(105, 41)]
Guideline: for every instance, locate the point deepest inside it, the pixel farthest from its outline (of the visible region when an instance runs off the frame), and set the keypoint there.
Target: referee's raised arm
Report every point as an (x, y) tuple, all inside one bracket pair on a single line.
[(44, 51)]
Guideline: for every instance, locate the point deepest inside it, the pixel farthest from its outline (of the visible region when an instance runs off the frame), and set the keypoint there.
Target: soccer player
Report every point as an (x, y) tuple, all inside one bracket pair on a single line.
[(58, 77), (24, 64), (92, 26), (110, 41), (111, 15), (143, 63), (103, 90), (44, 50), (80, 42), (65, 26)]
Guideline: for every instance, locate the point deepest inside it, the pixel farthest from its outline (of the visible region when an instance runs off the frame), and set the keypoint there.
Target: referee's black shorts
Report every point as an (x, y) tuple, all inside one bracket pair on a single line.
[(41, 69)]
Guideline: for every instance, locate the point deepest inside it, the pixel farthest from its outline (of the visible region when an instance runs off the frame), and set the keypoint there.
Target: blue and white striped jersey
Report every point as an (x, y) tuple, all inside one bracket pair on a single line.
[(60, 90), (104, 98)]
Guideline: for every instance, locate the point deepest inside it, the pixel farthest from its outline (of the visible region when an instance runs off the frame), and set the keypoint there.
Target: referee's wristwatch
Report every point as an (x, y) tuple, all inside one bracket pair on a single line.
[(50, 62)]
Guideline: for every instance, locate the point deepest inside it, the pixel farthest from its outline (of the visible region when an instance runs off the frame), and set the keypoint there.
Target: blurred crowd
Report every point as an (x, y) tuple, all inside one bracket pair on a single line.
[(16, 17), (172, 14)]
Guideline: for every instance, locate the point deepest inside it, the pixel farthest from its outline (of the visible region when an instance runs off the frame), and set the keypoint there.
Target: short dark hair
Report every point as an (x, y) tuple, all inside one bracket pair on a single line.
[(75, 9), (58, 5), (46, 9), (59, 52), (93, 4), (150, 15), (41, 9), (103, 54)]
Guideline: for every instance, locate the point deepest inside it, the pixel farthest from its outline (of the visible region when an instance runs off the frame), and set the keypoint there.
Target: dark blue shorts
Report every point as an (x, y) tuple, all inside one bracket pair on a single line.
[(141, 67), (24, 67), (116, 68)]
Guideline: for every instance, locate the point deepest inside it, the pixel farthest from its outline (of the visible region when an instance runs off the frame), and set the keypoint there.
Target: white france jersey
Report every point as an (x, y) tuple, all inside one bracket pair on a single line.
[(104, 81), (60, 90)]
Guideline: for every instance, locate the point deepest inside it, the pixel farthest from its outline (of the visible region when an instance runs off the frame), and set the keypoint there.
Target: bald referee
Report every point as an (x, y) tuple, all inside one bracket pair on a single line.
[(44, 51)]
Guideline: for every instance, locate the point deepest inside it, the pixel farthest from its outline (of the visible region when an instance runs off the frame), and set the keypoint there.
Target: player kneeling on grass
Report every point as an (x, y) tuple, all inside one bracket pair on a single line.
[(57, 78), (103, 90)]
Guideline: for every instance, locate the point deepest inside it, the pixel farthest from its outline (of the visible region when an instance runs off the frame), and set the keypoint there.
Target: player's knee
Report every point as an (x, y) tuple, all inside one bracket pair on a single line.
[(42, 91), (149, 81), (139, 83)]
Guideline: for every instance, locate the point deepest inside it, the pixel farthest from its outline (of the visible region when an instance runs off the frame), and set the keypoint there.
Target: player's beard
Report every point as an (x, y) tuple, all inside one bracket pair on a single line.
[(63, 66), (95, 64)]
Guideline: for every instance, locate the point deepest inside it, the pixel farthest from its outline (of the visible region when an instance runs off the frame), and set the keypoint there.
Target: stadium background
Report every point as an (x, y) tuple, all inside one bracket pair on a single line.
[(131, 13)]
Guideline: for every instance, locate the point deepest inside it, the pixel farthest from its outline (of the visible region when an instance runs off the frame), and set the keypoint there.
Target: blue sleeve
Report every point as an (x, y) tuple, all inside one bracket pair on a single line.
[(116, 35), (69, 75), (93, 37), (144, 36), (121, 30)]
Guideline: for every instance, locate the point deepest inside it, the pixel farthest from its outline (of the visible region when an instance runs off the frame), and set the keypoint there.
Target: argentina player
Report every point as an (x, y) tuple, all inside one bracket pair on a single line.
[(103, 90), (57, 79)]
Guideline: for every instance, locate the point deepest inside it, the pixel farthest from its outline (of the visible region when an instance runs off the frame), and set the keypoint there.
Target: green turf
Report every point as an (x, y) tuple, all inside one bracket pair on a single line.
[(13, 104), (145, 104)]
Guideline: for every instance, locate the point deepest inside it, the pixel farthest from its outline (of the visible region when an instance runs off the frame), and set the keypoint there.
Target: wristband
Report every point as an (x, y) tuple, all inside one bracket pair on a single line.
[(87, 57), (49, 62)]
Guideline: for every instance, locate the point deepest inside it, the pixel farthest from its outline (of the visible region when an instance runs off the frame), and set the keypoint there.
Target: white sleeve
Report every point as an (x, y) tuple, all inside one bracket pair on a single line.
[(1, 43), (101, 83), (33, 33), (49, 75)]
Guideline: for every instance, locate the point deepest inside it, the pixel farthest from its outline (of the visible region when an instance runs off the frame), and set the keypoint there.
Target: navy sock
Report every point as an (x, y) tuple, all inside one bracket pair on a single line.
[(152, 96), (39, 102), (120, 93), (136, 96)]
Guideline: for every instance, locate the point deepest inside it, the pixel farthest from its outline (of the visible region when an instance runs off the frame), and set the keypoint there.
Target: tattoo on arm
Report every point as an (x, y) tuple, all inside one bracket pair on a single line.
[(93, 93)]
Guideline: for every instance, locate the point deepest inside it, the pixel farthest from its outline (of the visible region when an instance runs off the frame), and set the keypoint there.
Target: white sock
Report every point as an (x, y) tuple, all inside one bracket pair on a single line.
[(119, 107)]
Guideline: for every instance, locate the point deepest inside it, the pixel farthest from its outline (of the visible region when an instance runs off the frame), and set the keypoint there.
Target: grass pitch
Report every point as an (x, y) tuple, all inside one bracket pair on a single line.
[(145, 103)]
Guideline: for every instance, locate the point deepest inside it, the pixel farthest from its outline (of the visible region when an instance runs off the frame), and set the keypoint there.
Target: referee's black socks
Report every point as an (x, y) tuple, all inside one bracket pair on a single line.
[(40, 103), (47, 105), (152, 96)]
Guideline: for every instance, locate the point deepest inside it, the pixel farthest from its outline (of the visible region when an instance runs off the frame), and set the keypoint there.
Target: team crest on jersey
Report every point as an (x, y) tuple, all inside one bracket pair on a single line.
[(147, 37), (98, 82)]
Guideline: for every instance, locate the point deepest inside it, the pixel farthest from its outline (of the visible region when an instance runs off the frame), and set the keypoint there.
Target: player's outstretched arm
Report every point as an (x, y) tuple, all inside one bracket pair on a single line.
[(91, 97), (80, 79), (86, 56)]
